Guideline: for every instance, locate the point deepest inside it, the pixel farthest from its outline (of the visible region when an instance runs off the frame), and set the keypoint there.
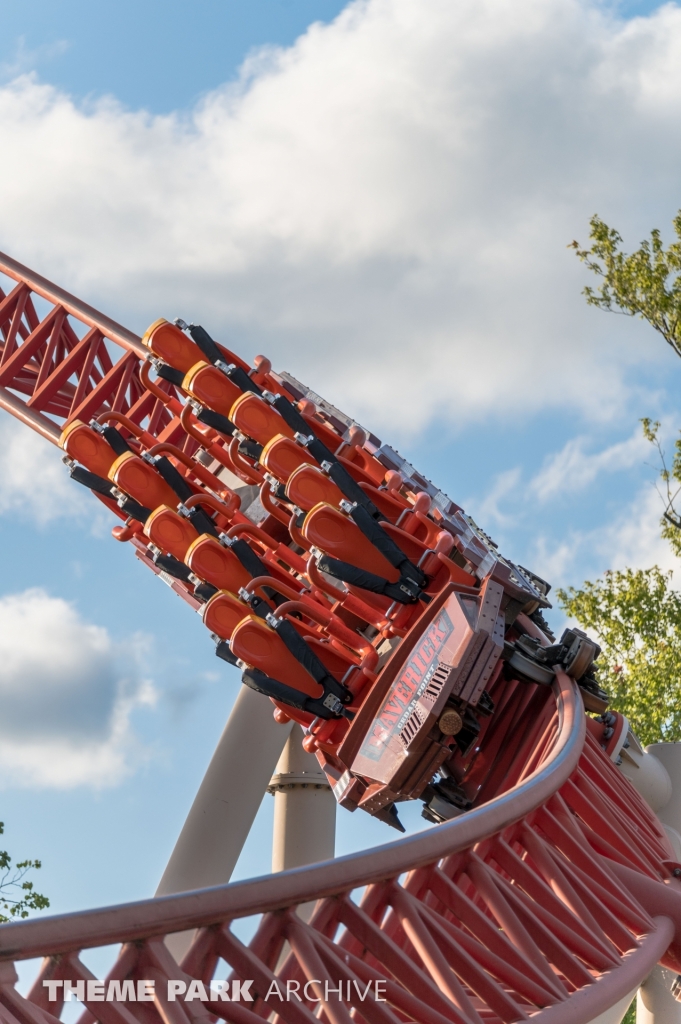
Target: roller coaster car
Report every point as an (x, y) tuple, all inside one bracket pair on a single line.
[(366, 604)]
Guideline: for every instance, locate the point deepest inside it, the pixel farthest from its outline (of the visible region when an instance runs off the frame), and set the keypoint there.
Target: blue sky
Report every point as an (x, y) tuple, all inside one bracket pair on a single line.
[(344, 202)]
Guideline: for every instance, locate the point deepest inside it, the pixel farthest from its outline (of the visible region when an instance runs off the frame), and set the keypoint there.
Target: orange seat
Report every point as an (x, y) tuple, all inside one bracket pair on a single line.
[(140, 480), (219, 566), (88, 447), (172, 345), (211, 387), (259, 646), (170, 532), (308, 487), (336, 534), (281, 457), (363, 466), (255, 418), (223, 613), (420, 526)]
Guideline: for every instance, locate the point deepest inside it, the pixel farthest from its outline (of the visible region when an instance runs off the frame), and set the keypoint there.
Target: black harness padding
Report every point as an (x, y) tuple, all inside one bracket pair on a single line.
[(204, 341), (170, 374), (264, 684), (248, 558), (173, 477), (346, 483), (173, 567), (304, 654), (403, 591), (255, 567), (250, 448), (101, 486), (216, 421), (223, 650), (387, 546), (259, 605), (115, 440), (213, 354), (91, 480), (204, 591), (294, 419), (239, 377), (320, 453), (133, 509), (201, 521)]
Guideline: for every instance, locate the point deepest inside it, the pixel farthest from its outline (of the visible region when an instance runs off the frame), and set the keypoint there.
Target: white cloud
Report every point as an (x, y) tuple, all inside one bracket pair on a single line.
[(505, 485), (33, 479), (631, 540), (66, 692), (572, 469), (383, 207)]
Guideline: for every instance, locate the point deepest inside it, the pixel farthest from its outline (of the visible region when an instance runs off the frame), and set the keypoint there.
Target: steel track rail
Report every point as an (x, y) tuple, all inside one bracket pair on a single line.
[(147, 918)]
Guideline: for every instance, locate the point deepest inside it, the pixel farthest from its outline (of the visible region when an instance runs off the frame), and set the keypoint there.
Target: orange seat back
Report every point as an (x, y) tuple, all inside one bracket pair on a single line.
[(219, 566), (259, 646), (88, 447), (308, 487), (171, 345), (363, 466), (281, 456), (170, 531), (420, 526), (336, 534), (223, 613), (211, 387), (255, 418), (140, 480)]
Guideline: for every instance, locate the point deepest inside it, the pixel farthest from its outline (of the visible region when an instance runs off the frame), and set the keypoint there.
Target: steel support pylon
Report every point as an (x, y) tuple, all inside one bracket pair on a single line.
[(304, 808), (228, 799)]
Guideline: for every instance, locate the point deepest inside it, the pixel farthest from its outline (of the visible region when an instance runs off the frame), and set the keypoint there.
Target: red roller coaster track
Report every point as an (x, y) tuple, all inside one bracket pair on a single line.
[(550, 899)]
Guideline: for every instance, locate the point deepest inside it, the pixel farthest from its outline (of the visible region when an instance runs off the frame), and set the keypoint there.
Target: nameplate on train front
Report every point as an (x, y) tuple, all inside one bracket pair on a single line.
[(408, 687)]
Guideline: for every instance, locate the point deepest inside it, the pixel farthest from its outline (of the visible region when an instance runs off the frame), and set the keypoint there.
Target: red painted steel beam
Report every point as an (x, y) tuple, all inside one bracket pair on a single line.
[(73, 305), (49, 375)]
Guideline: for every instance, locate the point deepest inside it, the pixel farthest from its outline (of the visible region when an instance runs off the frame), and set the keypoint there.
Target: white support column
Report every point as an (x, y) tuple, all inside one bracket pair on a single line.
[(669, 754), (615, 1014), (304, 808), (656, 774), (655, 1004), (228, 798)]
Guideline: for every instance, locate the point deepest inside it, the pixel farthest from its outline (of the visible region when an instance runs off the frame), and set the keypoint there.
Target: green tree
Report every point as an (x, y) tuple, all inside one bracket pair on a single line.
[(671, 479), (646, 283), (17, 894), (636, 615)]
